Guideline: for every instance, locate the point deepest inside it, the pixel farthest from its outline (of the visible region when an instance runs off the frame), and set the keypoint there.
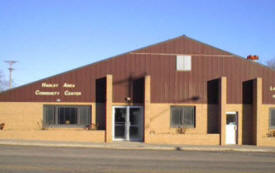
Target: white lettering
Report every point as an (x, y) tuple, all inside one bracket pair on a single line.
[(49, 85), (70, 93), (46, 93), (68, 85)]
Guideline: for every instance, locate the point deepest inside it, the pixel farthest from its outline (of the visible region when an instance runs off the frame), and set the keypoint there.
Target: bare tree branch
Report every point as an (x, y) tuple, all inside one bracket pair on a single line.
[(271, 63), (4, 84)]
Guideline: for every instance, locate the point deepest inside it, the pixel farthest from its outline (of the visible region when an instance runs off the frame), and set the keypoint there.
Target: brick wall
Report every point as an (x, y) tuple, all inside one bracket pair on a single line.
[(23, 120)]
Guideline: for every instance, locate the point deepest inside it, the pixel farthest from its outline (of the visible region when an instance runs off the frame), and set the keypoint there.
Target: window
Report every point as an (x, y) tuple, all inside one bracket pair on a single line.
[(184, 63), (272, 118), (67, 116), (182, 116)]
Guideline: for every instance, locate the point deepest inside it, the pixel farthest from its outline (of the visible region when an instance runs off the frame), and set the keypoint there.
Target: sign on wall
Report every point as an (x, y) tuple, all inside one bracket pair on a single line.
[(67, 86), (272, 89)]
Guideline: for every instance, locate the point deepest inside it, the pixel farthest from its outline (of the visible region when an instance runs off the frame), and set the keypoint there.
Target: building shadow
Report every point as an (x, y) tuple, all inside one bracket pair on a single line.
[(213, 118), (100, 103), (248, 122)]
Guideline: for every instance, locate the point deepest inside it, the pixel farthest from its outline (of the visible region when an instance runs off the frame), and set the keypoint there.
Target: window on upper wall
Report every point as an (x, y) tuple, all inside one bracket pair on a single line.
[(272, 118), (184, 63), (182, 117), (66, 116)]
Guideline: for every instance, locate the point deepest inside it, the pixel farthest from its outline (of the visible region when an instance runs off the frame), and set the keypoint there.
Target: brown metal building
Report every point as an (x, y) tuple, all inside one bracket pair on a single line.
[(180, 91)]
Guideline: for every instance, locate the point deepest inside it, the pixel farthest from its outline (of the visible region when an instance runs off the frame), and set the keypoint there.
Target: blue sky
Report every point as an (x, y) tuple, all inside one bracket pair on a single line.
[(48, 37)]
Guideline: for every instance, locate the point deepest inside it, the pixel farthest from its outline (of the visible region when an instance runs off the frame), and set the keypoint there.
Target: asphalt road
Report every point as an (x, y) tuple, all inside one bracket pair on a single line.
[(23, 159)]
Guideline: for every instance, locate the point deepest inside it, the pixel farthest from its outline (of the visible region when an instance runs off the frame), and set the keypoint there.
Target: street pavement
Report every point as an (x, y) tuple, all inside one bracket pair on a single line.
[(35, 159)]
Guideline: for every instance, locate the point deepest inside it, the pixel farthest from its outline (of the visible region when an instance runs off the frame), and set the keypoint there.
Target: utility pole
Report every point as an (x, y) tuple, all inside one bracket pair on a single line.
[(10, 62)]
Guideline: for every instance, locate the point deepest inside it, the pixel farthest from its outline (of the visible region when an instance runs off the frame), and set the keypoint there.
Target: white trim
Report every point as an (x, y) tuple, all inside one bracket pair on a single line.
[(231, 113)]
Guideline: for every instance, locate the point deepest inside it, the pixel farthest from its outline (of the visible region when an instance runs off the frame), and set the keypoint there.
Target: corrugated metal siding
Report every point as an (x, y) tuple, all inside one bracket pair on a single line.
[(182, 45), (168, 85)]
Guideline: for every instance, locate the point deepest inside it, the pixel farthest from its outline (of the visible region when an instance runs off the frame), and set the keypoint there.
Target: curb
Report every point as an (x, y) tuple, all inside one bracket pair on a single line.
[(102, 146), (227, 149), (123, 147)]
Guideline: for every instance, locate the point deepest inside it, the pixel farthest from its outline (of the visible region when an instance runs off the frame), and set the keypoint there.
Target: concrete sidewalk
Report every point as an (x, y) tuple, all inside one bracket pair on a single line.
[(138, 146)]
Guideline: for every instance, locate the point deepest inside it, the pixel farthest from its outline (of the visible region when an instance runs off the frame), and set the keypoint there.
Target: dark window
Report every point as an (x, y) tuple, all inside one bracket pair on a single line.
[(67, 115), (272, 118), (182, 116), (55, 115), (49, 117), (231, 118)]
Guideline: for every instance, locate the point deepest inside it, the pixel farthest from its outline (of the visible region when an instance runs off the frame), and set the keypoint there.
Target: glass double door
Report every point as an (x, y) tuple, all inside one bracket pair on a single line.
[(128, 123)]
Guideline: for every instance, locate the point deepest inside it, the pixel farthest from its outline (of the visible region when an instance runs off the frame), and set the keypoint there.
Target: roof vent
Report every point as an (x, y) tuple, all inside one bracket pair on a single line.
[(253, 58)]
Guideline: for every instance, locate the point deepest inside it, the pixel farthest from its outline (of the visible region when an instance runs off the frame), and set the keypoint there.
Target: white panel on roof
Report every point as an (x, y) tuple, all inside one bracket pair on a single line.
[(184, 63), (179, 63)]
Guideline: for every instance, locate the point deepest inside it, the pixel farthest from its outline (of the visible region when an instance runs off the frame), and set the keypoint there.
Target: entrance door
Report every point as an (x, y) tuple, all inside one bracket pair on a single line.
[(128, 123), (231, 127)]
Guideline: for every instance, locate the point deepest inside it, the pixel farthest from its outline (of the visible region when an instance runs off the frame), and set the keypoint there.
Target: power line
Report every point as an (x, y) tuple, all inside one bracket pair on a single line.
[(10, 62)]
